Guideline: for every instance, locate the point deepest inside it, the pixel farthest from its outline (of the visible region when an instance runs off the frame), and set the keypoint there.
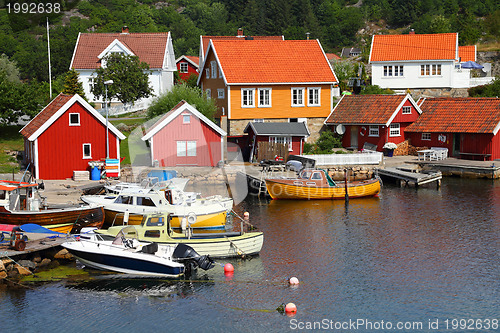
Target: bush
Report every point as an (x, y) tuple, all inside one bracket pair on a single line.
[(325, 144)]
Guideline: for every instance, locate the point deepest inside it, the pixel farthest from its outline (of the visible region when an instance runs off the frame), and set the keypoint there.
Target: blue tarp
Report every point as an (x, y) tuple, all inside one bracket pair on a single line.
[(30, 227), (471, 64)]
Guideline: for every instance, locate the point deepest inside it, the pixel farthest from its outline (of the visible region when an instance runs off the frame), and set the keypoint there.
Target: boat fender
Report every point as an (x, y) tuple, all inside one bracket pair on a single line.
[(191, 218)]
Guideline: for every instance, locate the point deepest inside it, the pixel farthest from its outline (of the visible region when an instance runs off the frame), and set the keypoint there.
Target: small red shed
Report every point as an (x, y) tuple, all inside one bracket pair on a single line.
[(185, 137), (187, 66), (373, 119), (65, 136), (468, 127)]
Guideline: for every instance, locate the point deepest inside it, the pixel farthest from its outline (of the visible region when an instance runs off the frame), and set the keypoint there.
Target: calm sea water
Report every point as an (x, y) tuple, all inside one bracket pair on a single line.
[(410, 260)]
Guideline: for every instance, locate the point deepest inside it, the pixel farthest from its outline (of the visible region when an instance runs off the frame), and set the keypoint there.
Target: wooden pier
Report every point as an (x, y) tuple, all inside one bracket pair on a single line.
[(411, 176), (35, 243)]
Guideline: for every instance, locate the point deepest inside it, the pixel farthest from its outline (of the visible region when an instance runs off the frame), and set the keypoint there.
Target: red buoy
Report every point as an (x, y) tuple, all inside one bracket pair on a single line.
[(228, 268), (290, 308)]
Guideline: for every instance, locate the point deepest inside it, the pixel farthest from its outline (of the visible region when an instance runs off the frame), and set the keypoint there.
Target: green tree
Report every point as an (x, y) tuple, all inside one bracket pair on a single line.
[(192, 95), (375, 90), (72, 85), (487, 90), (9, 68), (130, 78)]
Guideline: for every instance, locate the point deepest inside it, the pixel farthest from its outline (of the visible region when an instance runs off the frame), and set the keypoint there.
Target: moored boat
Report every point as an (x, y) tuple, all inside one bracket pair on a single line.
[(316, 184), (125, 254), (21, 203), (156, 228)]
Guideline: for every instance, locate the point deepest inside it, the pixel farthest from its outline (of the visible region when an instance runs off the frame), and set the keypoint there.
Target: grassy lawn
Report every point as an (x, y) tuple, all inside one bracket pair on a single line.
[(10, 141), (124, 146)]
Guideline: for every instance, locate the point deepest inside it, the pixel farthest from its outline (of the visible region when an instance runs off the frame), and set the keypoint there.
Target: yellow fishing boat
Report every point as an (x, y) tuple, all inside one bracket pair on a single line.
[(316, 184)]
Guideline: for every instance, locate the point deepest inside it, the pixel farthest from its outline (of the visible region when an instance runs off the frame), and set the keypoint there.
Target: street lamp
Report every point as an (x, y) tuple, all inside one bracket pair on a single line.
[(106, 83)]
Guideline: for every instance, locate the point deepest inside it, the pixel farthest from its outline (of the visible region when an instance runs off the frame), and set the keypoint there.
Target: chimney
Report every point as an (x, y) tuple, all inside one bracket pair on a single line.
[(125, 30), (412, 31), (307, 34), (240, 32)]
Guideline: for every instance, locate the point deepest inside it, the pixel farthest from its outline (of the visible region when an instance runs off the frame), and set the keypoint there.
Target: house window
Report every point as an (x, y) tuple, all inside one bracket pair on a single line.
[(207, 73), (264, 97), (260, 120), (87, 151), (208, 93), (74, 119), (394, 130), (426, 136), (393, 70), (298, 96), (220, 93), (91, 83), (186, 148), (213, 65), (186, 118), (406, 110), (313, 96), (283, 140), (248, 98), (430, 70), (373, 131), (183, 67)]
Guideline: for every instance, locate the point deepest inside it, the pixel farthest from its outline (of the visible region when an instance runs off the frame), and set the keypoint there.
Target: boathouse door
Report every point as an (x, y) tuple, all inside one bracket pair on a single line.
[(354, 137), (456, 144)]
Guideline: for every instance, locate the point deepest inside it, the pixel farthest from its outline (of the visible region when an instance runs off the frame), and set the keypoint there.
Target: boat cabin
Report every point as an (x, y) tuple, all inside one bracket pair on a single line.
[(314, 177), (20, 195)]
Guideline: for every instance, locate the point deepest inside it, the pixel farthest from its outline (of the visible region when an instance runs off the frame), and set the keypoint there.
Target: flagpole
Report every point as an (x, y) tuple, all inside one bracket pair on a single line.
[(48, 46)]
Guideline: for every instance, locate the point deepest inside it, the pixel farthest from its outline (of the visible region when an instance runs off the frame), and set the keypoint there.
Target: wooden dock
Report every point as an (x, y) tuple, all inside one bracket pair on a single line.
[(411, 176), (36, 242)]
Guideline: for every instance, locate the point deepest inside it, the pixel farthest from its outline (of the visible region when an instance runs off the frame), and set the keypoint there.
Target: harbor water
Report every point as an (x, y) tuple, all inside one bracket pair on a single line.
[(409, 260)]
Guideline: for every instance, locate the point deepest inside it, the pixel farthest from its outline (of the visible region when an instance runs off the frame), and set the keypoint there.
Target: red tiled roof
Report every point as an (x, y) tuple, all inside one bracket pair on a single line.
[(205, 40), (332, 56), (365, 109), (45, 115), (194, 59), (264, 61), (467, 53), (149, 47), (458, 115), (414, 47)]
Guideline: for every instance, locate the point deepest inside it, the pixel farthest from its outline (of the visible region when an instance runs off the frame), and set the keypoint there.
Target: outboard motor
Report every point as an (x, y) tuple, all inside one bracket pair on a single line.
[(185, 253)]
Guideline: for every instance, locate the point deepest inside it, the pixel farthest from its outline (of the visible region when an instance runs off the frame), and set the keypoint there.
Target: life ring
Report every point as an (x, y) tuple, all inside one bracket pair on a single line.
[(362, 131), (191, 218)]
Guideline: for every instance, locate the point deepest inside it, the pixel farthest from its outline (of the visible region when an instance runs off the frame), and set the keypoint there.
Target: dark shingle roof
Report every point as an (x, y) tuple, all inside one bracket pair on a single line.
[(278, 129)]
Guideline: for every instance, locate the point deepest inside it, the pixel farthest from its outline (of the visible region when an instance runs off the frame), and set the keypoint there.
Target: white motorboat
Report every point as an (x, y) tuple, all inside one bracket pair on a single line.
[(130, 202), (125, 254)]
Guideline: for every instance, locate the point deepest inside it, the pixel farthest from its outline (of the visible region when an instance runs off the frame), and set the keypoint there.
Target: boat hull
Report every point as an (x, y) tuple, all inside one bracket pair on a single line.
[(76, 217), (286, 189), (123, 262)]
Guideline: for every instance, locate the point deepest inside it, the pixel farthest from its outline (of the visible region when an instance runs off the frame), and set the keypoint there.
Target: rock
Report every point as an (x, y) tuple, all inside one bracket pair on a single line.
[(21, 270), (2, 266), (44, 262), (63, 254), (36, 259), (3, 275), (13, 274), (27, 264)]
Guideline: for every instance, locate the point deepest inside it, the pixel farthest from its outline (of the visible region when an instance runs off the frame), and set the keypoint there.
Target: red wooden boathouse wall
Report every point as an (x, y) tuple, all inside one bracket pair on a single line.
[(60, 146), (208, 142)]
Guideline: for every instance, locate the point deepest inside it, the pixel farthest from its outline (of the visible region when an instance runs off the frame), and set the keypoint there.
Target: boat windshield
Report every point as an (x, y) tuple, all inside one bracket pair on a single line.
[(306, 174), (126, 233)]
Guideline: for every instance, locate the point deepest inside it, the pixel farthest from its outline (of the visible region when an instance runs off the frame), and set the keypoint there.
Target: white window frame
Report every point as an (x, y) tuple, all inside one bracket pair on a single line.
[(259, 120), (297, 102), (220, 93), (186, 118), (89, 156), (282, 139), (207, 73), (426, 137), (213, 65), (374, 131), (394, 130), (183, 67), (431, 70), (181, 149), (314, 92), (406, 110), (91, 83), (267, 91), (208, 92), (191, 148), (249, 94), (74, 124), (393, 71)]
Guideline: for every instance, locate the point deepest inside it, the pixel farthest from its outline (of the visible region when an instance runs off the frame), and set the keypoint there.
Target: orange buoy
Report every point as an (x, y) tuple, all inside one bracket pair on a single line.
[(293, 281), (228, 268), (290, 308)]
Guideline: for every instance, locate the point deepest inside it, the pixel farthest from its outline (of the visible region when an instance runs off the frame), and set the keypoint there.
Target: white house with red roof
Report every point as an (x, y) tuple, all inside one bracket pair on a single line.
[(422, 61), (185, 137), (268, 81), (65, 136), (155, 49)]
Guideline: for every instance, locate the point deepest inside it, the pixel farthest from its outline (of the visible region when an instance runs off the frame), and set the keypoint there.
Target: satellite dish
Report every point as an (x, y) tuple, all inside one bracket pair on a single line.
[(340, 129)]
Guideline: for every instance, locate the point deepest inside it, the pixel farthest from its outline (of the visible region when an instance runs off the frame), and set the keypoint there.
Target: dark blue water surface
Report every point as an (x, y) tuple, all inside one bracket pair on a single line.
[(400, 262)]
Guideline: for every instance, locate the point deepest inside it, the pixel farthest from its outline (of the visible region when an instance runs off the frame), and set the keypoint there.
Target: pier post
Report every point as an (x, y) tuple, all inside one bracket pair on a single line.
[(345, 182)]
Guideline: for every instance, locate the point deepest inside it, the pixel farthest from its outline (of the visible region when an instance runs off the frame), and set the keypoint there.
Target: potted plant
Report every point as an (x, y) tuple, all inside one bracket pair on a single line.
[(389, 148)]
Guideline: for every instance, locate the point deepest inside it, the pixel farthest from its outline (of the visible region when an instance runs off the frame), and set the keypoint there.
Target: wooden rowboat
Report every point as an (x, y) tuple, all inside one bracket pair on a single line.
[(316, 184)]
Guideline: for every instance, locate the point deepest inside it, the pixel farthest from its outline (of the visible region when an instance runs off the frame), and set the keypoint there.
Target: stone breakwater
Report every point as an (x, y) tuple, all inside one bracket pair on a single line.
[(13, 269)]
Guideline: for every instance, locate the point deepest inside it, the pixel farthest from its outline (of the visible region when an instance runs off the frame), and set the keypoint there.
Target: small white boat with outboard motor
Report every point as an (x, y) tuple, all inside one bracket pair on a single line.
[(126, 254)]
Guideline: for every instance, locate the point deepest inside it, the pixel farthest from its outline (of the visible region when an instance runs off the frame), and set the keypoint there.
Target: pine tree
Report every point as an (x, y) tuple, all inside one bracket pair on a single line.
[(72, 85)]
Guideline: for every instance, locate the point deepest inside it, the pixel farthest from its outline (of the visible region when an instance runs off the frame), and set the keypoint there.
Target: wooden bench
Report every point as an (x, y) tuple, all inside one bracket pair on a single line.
[(484, 156)]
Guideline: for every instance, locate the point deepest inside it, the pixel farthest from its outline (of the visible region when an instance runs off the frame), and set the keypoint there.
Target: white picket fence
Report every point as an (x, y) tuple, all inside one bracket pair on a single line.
[(347, 159)]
